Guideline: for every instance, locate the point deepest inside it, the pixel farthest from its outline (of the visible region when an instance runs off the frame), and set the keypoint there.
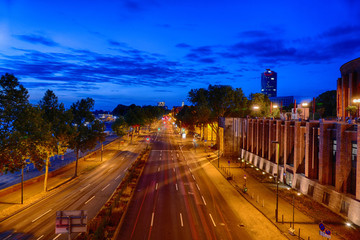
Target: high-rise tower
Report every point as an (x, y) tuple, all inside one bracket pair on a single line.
[(269, 83)]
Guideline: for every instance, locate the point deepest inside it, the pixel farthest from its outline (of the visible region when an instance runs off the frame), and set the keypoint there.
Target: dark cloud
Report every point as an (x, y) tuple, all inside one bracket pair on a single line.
[(341, 31), (164, 25), (182, 45), (116, 43), (78, 68), (132, 5), (37, 39)]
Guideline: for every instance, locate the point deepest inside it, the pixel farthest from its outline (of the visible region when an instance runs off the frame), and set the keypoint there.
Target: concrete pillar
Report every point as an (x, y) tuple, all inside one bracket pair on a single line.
[(272, 137), (310, 150), (343, 157), (339, 99), (299, 147), (257, 137), (325, 153), (357, 196)]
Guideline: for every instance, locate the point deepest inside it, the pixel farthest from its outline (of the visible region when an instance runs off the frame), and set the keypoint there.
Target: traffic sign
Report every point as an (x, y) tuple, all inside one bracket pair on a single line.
[(71, 221)]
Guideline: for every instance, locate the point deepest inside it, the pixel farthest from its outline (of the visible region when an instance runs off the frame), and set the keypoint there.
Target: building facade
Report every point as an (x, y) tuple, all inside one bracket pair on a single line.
[(269, 83), (319, 159), (284, 100), (348, 87)]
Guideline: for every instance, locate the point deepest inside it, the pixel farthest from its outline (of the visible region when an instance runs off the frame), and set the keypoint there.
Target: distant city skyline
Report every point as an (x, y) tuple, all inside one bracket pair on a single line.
[(150, 51)]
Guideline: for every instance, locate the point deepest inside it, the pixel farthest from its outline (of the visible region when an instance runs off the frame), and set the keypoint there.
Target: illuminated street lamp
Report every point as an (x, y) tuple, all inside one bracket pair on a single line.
[(357, 102), (304, 105), (255, 107)]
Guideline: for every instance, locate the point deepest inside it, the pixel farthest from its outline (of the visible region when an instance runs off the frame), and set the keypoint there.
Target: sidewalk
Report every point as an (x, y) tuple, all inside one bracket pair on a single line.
[(261, 193)]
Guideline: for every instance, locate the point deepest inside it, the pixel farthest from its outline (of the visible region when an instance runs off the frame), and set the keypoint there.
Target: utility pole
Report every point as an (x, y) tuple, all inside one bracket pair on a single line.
[(277, 180)]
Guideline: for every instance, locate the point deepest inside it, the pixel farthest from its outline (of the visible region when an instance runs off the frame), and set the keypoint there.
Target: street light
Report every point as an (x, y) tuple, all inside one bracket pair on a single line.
[(277, 180), (255, 107), (304, 105), (357, 101)]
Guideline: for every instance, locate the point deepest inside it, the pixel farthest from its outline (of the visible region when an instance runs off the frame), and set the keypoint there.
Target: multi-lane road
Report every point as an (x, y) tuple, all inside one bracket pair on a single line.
[(87, 192), (179, 196), (175, 199)]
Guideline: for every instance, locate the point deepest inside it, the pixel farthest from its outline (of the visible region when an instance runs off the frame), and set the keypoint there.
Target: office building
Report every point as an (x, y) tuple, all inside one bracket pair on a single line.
[(269, 83)]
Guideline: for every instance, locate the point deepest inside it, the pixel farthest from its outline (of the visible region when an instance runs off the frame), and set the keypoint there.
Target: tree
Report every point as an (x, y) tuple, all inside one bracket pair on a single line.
[(60, 129), (217, 101), (352, 110), (23, 132), (261, 101), (119, 126), (187, 117), (327, 102), (20, 126), (88, 130)]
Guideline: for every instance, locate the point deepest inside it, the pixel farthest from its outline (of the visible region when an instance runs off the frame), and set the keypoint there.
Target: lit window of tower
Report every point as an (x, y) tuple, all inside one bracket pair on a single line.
[(269, 83)]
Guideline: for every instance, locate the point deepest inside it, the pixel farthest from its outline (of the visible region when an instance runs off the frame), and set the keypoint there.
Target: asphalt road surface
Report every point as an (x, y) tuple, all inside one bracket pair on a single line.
[(87, 192), (176, 200)]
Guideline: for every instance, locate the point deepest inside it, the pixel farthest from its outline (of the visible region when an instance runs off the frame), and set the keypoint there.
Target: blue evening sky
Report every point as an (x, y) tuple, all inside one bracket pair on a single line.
[(146, 51)]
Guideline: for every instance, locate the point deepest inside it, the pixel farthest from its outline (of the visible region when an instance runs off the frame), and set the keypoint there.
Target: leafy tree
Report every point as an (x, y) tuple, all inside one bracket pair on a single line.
[(21, 127), (187, 117), (217, 101), (60, 129), (261, 101), (352, 110), (325, 104), (120, 110), (88, 129), (120, 126)]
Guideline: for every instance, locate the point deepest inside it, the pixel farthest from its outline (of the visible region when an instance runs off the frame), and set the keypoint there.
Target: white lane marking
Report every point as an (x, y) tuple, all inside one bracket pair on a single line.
[(125, 169), (181, 220), (198, 187), (84, 187), (190, 169), (57, 236), (158, 169), (177, 155), (193, 176), (40, 237), (152, 219), (118, 177), (174, 169), (89, 199), (156, 187), (105, 187), (176, 186), (8, 237), (203, 199), (212, 220), (41, 215)]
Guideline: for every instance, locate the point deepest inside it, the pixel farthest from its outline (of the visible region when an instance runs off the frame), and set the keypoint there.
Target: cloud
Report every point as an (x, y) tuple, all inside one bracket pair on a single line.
[(132, 5), (341, 31), (78, 68), (37, 39), (164, 25), (182, 45)]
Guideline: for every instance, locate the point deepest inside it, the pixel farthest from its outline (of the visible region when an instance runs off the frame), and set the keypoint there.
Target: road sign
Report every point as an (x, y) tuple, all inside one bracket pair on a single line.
[(71, 221)]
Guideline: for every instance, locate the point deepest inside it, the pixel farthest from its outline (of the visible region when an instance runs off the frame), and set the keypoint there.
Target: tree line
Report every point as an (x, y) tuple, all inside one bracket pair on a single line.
[(33, 133), (130, 118), (208, 105)]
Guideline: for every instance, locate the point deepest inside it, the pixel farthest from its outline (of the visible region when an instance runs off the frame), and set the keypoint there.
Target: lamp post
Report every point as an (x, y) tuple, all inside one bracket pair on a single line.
[(304, 105), (277, 179), (357, 102)]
